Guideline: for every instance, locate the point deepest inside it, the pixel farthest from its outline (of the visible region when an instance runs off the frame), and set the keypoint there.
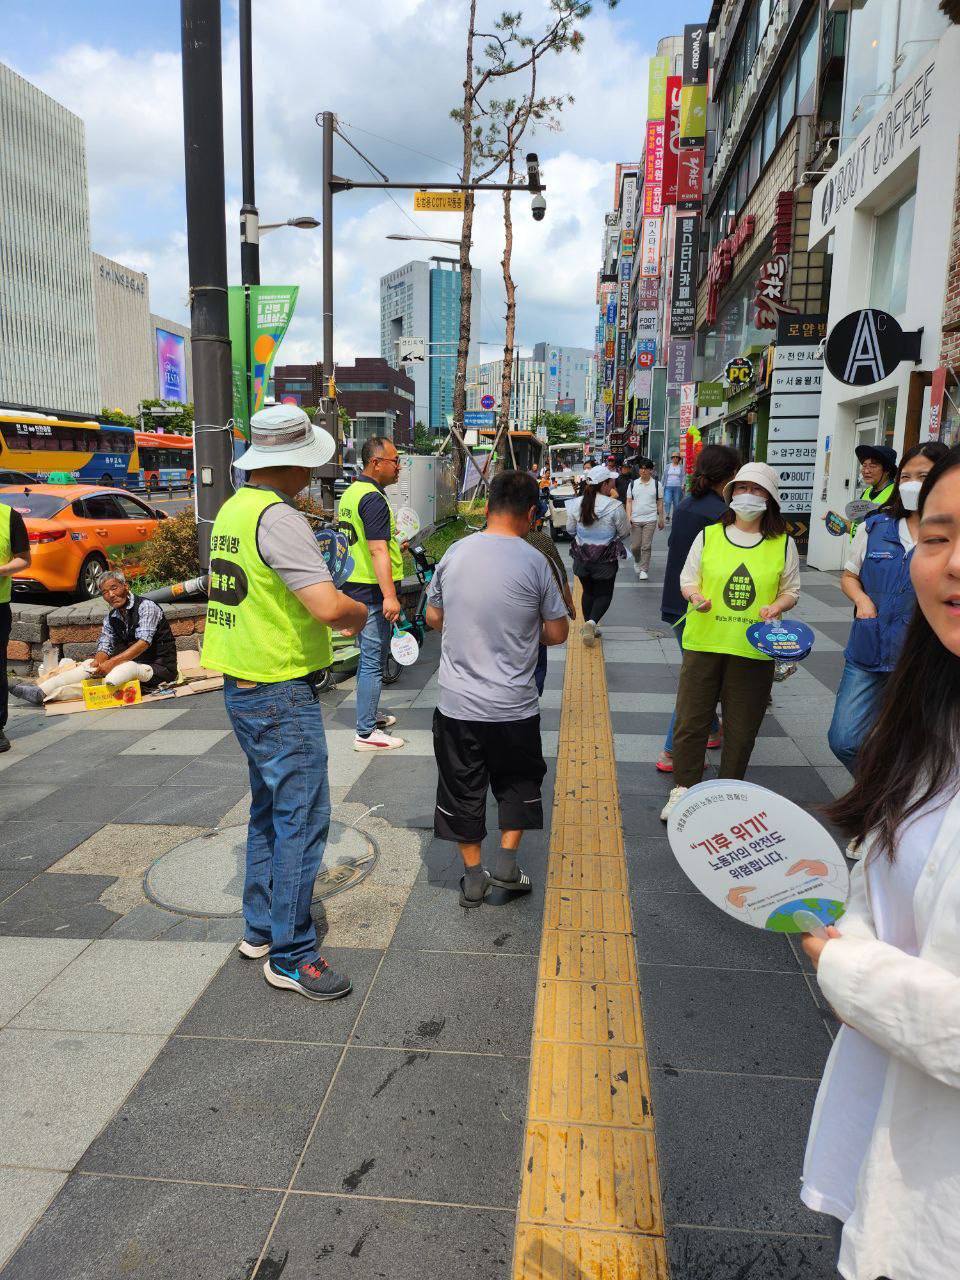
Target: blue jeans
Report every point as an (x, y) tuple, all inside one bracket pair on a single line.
[(280, 728), (856, 708), (714, 728), (374, 647), (672, 497)]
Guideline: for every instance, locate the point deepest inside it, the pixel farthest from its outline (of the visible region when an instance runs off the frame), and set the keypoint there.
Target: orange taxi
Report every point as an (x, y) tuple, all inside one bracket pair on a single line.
[(74, 530)]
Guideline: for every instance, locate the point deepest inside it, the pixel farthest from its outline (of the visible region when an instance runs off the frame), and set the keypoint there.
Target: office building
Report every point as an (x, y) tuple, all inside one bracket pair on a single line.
[(422, 300), (526, 389), (569, 378), (379, 399), (48, 346)]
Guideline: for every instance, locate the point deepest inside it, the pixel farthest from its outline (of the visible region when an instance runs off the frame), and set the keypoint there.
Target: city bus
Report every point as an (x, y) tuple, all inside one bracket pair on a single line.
[(87, 452), (165, 461)]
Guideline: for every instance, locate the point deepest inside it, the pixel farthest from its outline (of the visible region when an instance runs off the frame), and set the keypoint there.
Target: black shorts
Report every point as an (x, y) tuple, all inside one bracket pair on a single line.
[(505, 755)]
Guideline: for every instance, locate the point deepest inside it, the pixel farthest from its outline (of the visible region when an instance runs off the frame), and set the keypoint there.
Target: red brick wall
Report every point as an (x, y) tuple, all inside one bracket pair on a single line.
[(950, 347)]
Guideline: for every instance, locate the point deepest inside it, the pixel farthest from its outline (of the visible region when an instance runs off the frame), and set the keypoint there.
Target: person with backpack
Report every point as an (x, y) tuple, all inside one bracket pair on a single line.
[(645, 512)]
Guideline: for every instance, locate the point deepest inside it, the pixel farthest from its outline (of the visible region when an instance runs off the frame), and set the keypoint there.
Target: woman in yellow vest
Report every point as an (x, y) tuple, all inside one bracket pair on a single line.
[(742, 570)]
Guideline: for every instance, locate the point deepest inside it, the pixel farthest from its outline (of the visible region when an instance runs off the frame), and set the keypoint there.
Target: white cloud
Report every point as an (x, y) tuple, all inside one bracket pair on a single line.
[(393, 67)]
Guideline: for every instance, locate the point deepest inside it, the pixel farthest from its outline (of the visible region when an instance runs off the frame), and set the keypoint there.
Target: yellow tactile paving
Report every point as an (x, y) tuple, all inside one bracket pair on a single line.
[(590, 1196)]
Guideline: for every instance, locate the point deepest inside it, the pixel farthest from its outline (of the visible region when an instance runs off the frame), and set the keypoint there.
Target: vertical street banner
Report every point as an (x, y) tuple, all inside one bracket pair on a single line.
[(259, 315), (671, 153), (657, 88), (693, 95), (690, 179), (679, 362), (683, 312), (650, 248), (695, 53), (653, 169)]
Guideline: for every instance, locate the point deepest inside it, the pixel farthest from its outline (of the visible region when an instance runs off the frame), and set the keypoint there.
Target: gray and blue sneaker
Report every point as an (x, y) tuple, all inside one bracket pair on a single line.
[(31, 693), (313, 979)]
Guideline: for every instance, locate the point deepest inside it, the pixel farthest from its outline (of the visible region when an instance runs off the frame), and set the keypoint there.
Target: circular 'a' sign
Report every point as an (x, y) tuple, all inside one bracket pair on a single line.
[(864, 347)]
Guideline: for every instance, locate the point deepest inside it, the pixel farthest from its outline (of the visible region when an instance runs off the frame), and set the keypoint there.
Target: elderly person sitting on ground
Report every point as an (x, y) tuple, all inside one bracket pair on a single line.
[(135, 643)]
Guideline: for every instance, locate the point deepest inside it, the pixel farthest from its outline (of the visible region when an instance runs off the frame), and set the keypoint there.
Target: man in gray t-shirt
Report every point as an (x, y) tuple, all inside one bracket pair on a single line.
[(495, 599)]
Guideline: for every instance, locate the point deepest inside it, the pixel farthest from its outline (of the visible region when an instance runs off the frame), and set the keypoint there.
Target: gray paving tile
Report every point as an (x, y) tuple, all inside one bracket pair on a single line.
[(443, 866), (721, 1020), (240, 1003), (190, 806), (79, 802), (747, 1176), (237, 1116), (434, 918), (57, 1090), (113, 1229), (675, 928), (178, 742), (403, 1241), (57, 906), (481, 1003), (18, 799), (145, 923), (24, 1194), (408, 786), (652, 867), (838, 781), (205, 772), (815, 748), (728, 1255), (421, 1126), (631, 677), (27, 965), (104, 988), (41, 841), (803, 786), (139, 720)]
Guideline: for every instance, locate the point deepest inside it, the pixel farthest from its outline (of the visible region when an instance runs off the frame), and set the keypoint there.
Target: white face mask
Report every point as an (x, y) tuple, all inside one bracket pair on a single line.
[(749, 506), (910, 494)]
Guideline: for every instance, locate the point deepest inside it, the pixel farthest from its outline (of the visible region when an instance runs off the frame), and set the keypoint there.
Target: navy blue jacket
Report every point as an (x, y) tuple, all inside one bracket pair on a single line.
[(690, 518), (875, 643)]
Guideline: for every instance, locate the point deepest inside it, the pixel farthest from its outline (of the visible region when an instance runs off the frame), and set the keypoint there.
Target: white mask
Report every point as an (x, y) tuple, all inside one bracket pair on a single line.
[(910, 494), (749, 506)]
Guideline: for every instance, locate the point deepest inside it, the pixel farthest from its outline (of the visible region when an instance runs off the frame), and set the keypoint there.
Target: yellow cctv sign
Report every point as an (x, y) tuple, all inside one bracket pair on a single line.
[(439, 201)]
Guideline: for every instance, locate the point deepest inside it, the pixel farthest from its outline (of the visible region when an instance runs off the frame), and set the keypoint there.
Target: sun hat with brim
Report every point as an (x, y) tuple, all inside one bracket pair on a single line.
[(755, 473), (597, 475), (283, 436), (881, 453)]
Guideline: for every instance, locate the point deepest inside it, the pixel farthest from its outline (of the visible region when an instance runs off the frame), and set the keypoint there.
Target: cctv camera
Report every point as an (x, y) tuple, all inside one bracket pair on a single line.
[(538, 207)]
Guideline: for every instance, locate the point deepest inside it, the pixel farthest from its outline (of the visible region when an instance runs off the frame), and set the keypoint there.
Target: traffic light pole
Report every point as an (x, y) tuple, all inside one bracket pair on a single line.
[(207, 256)]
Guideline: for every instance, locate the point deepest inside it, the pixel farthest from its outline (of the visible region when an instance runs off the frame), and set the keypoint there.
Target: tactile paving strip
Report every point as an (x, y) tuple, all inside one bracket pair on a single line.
[(590, 1195)]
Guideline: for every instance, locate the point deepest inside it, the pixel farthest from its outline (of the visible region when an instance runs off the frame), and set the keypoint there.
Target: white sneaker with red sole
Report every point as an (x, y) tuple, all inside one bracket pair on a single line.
[(378, 741)]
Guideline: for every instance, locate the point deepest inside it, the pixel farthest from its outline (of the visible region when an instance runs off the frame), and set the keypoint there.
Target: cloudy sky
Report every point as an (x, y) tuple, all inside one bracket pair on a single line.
[(391, 70)]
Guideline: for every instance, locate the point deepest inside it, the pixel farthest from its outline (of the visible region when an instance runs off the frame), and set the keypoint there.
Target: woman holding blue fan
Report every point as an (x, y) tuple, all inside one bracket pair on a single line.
[(738, 572), (883, 1155), (876, 578)]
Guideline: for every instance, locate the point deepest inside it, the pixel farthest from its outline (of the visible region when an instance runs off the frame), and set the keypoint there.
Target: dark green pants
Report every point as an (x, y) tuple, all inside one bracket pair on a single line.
[(742, 687)]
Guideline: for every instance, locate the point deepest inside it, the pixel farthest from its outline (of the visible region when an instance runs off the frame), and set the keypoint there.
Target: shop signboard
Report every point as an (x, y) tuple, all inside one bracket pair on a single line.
[(797, 358), (769, 299), (653, 170), (647, 353), (710, 395), (671, 141), (646, 324), (806, 380), (642, 383), (650, 247), (739, 372), (611, 312), (867, 346), (657, 88), (695, 53), (938, 390), (792, 429), (806, 329), (693, 115), (690, 178), (792, 452), (684, 297), (623, 339), (679, 361), (647, 293), (796, 502), (798, 404), (793, 477)]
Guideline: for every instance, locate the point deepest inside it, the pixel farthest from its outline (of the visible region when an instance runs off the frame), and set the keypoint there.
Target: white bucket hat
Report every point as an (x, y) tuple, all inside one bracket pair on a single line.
[(597, 475), (756, 473), (283, 436)]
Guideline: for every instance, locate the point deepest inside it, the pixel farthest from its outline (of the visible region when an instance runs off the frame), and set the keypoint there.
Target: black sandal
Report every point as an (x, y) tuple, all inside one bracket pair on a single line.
[(522, 884), (475, 902)]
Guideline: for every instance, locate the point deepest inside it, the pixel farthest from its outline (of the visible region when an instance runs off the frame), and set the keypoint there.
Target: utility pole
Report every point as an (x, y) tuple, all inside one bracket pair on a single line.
[(207, 255), (326, 219), (249, 215)]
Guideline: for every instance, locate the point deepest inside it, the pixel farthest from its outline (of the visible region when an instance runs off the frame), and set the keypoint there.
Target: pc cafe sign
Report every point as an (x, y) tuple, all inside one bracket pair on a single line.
[(894, 134)]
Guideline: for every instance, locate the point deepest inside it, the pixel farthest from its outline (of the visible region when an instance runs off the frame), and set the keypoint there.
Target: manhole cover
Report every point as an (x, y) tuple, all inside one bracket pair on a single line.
[(204, 877)]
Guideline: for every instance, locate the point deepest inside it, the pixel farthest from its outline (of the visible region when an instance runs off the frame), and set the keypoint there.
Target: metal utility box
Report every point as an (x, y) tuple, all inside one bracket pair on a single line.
[(428, 485)]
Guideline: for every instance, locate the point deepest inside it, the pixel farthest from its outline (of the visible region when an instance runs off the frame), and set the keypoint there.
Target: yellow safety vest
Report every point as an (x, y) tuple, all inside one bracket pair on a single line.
[(883, 496), (348, 515), (738, 581), (256, 628), (6, 553)]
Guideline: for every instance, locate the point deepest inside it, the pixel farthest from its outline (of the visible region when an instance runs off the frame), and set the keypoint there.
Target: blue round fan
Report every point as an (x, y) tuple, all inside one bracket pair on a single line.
[(335, 550), (786, 641)]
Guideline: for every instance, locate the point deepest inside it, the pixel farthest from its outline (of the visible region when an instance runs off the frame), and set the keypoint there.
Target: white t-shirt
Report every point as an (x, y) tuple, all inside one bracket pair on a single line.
[(849, 1107), (858, 547), (644, 498)]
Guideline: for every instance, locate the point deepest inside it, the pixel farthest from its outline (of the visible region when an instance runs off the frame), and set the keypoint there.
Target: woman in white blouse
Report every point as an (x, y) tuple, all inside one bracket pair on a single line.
[(883, 1155)]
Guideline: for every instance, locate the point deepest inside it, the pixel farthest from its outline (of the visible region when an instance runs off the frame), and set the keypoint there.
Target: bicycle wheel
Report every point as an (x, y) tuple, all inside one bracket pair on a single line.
[(391, 670)]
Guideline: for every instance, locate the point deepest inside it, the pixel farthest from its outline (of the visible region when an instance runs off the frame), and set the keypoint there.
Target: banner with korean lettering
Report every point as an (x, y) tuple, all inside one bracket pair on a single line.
[(650, 247), (684, 296), (693, 115), (258, 317), (679, 361), (653, 169), (671, 140), (657, 88), (690, 179)]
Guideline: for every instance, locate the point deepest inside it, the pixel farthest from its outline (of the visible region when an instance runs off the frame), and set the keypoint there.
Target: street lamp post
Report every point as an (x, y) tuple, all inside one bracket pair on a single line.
[(249, 217)]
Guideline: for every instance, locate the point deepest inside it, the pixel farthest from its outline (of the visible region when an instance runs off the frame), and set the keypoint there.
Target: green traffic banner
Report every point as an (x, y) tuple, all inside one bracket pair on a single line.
[(259, 315)]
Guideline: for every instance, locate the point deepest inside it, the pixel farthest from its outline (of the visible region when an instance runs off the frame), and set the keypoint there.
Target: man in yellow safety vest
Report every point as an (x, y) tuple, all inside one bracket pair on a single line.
[(272, 604)]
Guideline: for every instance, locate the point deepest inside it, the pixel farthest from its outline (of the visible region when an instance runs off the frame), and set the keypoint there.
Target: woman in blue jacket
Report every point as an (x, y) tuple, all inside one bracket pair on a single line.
[(876, 577)]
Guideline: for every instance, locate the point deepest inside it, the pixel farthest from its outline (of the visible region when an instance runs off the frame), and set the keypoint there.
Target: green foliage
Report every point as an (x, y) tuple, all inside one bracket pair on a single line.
[(562, 428), (172, 554), (178, 424), (117, 417), (424, 440)]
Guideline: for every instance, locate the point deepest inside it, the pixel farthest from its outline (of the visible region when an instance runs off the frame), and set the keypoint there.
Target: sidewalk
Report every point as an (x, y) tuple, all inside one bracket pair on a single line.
[(163, 1113)]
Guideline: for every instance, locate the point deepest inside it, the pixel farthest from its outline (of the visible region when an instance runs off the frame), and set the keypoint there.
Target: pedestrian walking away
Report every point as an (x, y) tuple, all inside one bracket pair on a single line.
[(543, 543), (876, 578), (645, 512), (881, 1155), (715, 467), (135, 643), (597, 523), (741, 570), (366, 517), (673, 478), (272, 603), (14, 556), (625, 478), (494, 598)]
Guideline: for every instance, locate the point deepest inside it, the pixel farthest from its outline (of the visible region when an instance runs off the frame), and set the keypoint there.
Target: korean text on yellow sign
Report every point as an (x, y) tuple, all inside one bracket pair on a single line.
[(439, 201)]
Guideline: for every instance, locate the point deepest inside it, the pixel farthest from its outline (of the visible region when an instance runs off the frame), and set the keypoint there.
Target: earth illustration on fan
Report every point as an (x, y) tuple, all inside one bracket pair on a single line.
[(827, 910)]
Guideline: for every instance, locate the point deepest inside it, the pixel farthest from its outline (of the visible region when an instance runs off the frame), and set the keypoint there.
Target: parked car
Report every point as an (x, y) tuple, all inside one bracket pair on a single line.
[(72, 531), (14, 477), (350, 471)]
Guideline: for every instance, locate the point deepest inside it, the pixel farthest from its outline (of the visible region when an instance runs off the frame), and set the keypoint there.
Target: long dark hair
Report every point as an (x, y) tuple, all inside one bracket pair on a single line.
[(588, 507), (715, 465), (772, 523), (933, 450), (911, 753)]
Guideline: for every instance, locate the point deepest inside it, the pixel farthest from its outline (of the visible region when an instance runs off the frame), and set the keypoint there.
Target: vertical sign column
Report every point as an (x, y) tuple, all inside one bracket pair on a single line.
[(795, 416)]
